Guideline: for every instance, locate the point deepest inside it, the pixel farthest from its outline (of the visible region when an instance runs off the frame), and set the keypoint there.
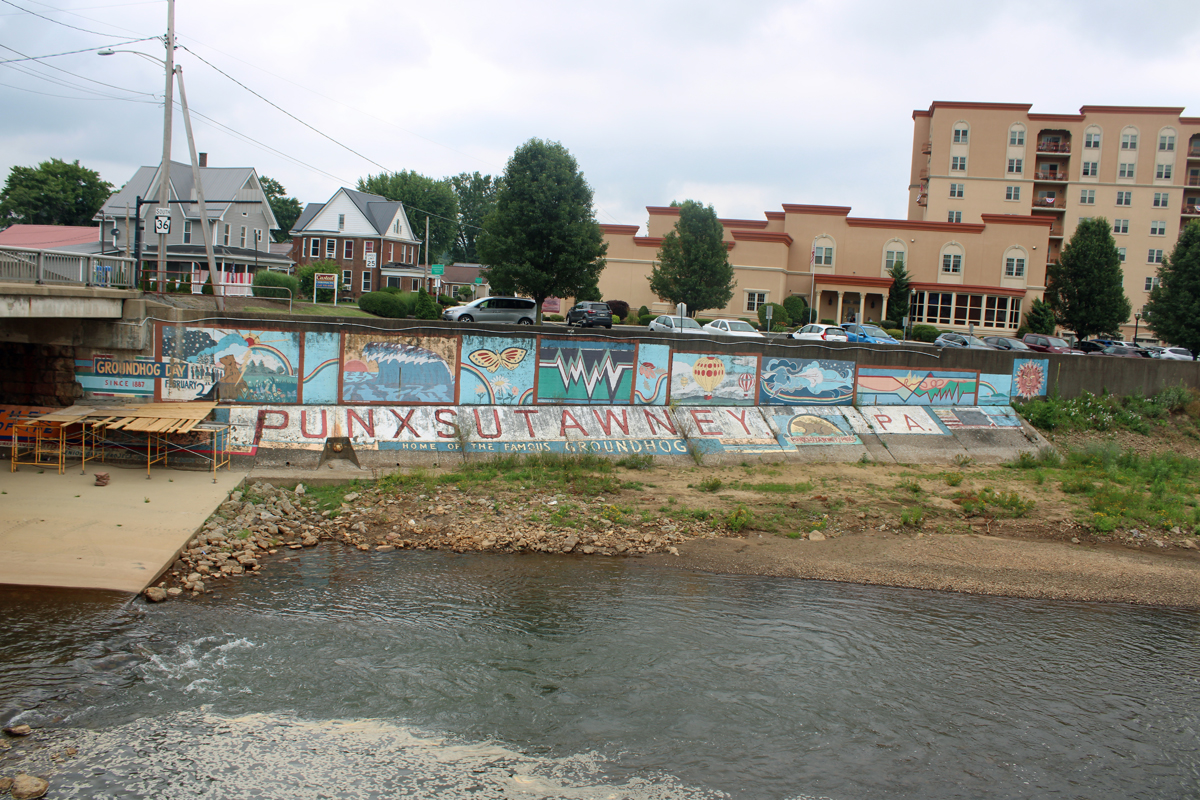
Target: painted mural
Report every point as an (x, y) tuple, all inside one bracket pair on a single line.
[(573, 371), (322, 362), (888, 386), (1029, 377), (112, 385), (724, 429), (802, 381), (228, 364), (653, 374), (994, 389), (811, 425), (699, 379), (956, 418), (914, 420), (496, 371), (398, 369)]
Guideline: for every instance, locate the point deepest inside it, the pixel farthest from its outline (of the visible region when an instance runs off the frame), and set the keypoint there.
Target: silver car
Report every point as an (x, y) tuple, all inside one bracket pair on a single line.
[(669, 324), (519, 310)]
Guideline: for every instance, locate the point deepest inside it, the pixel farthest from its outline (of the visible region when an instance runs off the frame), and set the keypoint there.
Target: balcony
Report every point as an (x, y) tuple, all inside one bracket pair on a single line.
[(1194, 151), (1045, 202), (927, 148), (1056, 231), (1063, 148), (1191, 211), (922, 199), (1193, 182), (1059, 176)]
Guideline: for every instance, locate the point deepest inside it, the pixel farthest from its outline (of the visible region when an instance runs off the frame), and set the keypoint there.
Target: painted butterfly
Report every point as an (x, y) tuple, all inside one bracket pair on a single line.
[(510, 357)]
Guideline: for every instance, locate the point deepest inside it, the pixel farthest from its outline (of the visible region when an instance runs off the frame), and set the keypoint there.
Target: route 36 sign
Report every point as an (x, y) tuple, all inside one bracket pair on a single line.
[(162, 221)]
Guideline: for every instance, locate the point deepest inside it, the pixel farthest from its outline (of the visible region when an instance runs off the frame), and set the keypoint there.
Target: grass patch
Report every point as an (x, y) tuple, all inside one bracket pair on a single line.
[(739, 519), (639, 461), (778, 488), (912, 517), (1090, 412), (987, 502), (712, 484)]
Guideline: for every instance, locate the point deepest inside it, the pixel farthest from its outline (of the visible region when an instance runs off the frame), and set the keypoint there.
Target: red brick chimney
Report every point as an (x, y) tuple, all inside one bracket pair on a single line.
[(204, 159)]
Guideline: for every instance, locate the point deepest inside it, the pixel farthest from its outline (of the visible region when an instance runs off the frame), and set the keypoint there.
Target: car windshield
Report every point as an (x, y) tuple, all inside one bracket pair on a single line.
[(1054, 341), (871, 330), (738, 325), (686, 322), (975, 341)]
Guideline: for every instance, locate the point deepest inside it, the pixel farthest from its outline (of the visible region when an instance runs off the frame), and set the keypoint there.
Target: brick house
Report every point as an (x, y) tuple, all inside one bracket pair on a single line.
[(368, 236)]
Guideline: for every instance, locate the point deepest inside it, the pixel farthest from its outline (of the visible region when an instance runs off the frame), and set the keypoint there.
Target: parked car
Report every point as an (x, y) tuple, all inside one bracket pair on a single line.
[(1175, 354), (1123, 352), (824, 333), (868, 334), (1048, 344), (669, 324), (1006, 343), (963, 340), (1092, 345), (520, 310), (590, 315), (733, 327)]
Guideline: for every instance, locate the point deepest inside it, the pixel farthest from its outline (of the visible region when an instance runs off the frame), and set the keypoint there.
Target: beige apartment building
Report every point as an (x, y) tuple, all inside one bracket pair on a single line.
[(979, 274), (1138, 167)]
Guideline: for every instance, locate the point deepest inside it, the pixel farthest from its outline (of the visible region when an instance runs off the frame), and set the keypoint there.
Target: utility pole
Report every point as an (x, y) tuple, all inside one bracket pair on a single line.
[(164, 186), (426, 284), (218, 284)]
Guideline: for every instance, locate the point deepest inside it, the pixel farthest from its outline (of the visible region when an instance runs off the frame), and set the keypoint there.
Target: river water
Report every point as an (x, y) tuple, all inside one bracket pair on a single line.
[(338, 674)]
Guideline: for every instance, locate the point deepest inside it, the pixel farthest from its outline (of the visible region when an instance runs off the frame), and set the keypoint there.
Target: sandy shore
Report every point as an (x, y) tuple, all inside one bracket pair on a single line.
[(970, 563)]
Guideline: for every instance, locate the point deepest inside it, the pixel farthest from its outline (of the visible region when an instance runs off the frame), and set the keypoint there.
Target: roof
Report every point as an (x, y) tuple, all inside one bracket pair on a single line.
[(220, 184), (48, 237), (376, 210), (310, 211)]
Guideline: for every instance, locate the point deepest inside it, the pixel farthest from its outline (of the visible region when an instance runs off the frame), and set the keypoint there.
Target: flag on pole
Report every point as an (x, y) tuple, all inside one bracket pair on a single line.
[(812, 256)]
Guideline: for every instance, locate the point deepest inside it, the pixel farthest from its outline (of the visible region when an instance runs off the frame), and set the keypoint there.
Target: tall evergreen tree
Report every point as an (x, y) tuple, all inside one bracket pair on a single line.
[(693, 262), (1173, 311), (898, 292), (423, 198), (1040, 317), (1086, 287), (542, 238)]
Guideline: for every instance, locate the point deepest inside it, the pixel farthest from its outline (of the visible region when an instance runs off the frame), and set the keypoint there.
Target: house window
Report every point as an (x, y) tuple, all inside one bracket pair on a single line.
[(341, 222), (1014, 267), (951, 263), (1151, 283), (257, 237), (1158, 228), (331, 248), (1091, 141), (892, 257), (1121, 254), (1012, 193), (954, 216), (347, 278), (960, 135), (1016, 138), (958, 163), (1154, 257), (187, 231), (1120, 226), (755, 299), (416, 284), (225, 238), (366, 280), (369, 246), (1015, 166), (242, 240), (1163, 173), (396, 227), (1091, 168), (956, 190), (1087, 196), (1160, 199), (823, 256), (1129, 141), (1166, 142), (314, 248), (1124, 198), (348, 249), (1125, 170)]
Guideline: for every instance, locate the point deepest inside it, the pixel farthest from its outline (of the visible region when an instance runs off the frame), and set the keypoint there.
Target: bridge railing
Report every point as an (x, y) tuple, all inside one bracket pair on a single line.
[(28, 265)]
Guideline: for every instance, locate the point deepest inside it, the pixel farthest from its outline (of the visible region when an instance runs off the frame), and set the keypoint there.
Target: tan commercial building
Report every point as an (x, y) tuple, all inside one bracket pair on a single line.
[(979, 274), (1138, 167)]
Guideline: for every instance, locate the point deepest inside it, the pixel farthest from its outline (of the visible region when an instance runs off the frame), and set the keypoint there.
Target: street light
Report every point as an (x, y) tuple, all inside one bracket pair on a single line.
[(1137, 318)]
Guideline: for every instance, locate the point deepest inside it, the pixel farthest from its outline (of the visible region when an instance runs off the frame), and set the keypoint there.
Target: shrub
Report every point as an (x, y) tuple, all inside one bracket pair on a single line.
[(445, 300), (779, 315), (208, 285), (924, 333), (644, 312), (828, 322), (895, 333), (553, 317), (271, 284), (797, 309), (425, 308), (305, 276), (702, 320), (619, 308), (382, 304), (644, 319)]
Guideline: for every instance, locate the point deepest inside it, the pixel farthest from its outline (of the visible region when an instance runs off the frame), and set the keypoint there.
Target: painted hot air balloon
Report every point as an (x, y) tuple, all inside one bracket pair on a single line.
[(746, 383), (708, 372)]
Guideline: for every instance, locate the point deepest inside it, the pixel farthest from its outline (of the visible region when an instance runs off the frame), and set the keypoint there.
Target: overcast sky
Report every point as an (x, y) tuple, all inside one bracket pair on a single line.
[(743, 106)]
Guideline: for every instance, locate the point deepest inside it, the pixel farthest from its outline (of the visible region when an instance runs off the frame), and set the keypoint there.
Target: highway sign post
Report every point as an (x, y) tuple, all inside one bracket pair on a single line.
[(438, 269)]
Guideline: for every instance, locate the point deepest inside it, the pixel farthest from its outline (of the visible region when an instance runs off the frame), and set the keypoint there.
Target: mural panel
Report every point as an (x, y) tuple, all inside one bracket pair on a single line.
[(653, 374), (96, 385), (809, 425), (1029, 377), (806, 381), (496, 370), (890, 419), (321, 367), (573, 371), (994, 390), (229, 364), (699, 379), (378, 368), (727, 429), (977, 417), (889, 386)]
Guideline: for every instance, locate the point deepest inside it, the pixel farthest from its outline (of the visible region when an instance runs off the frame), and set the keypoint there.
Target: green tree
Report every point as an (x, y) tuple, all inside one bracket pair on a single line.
[(52, 193), (693, 262), (1173, 311), (476, 198), (797, 309), (286, 209), (423, 198), (1040, 317), (1086, 287), (426, 308), (542, 238), (898, 292)]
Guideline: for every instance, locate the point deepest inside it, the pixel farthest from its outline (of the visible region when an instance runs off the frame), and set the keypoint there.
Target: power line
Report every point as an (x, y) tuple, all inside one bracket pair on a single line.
[(86, 8), (71, 52), (49, 19), (68, 97)]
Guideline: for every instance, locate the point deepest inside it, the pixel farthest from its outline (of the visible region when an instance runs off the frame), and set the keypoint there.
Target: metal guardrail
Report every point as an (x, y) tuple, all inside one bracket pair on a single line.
[(28, 265)]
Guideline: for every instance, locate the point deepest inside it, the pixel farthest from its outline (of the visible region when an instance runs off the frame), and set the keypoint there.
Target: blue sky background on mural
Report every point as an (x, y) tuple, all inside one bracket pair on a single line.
[(741, 106)]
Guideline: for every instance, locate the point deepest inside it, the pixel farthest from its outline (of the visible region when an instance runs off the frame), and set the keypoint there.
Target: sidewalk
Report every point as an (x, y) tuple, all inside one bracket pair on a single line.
[(62, 530)]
